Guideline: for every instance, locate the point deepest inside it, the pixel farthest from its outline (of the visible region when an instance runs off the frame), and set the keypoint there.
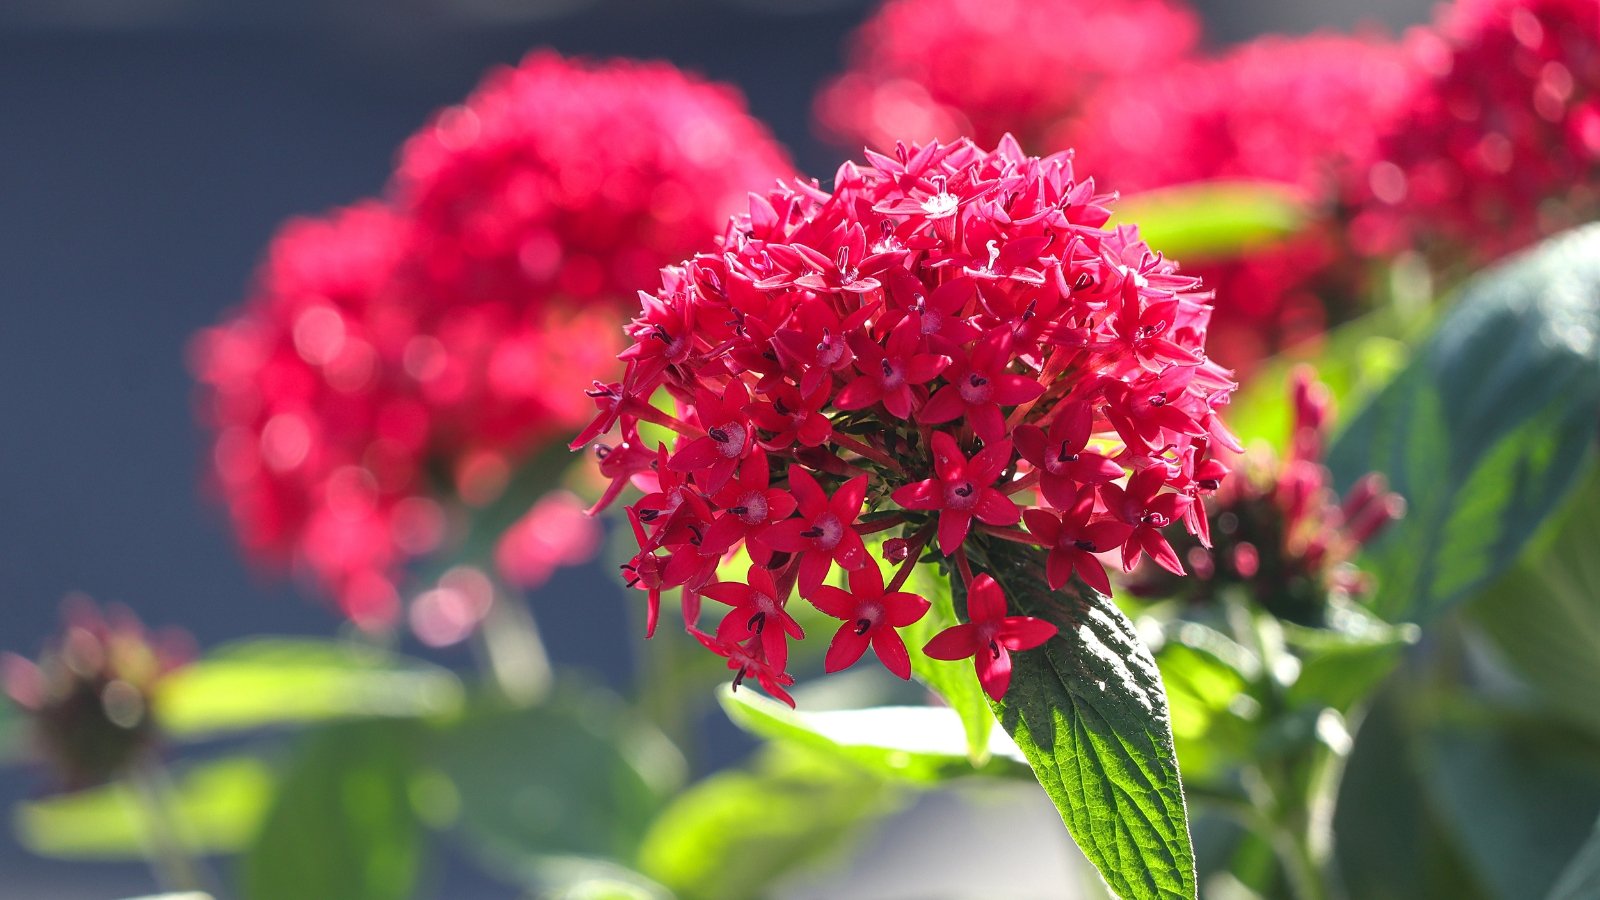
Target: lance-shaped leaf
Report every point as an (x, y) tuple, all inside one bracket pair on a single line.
[(1215, 219), (1486, 430), (1089, 712)]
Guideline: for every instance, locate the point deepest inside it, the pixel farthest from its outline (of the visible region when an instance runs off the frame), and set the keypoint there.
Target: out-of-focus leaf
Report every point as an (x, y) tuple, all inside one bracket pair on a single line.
[(1581, 878), (1214, 219), (730, 836), (914, 743), (1208, 677), (1519, 795), (272, 681), (956, 682), (1089, 712), (551, 793), (217, 805), (1389, 843), (343, 825), (1544, 615), (1486, 430), (13, 731), (1342, 664)]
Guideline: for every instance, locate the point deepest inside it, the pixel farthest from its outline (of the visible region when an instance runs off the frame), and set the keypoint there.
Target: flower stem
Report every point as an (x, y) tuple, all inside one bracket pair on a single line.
[(513, 651), (867, 451), (172, 861)]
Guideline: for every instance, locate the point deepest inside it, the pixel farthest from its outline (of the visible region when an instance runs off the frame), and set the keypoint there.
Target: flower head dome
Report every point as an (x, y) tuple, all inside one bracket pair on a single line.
[(571, 181), (1302, 112), (946, 345), (1499, 143), (940, 69), (399, 360)]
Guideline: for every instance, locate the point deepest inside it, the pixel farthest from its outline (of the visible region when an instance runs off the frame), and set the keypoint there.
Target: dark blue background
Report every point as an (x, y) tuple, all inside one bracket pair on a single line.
[(147, 152)]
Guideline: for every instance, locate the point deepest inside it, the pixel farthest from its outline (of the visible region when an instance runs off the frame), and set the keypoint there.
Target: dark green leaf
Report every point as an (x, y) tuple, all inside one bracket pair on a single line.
[(343, 827), (1581, 879), (1544, 615), (731, 836), (1519, 795), (1389, 843), (217, 806), (1487, 428), (271, 681), (553, 791), (915, 743), (1214, 219), (1089, 712)]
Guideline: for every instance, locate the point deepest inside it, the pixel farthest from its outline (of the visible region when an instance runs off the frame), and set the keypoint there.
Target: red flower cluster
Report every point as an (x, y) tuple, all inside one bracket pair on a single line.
[(1279, 530), (1304, 112), (946, 339), (1499, 143), (939, 69), (397, 357), (89, 694)]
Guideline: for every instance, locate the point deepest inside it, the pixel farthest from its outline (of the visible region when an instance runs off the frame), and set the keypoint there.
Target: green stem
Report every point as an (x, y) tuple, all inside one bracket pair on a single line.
[(174, 865), (513, 651)]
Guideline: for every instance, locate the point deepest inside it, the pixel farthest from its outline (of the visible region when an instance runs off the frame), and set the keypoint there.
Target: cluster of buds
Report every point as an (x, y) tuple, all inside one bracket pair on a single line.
[(1300, 112), (1499, 143), (88, 696), (946, 346), (1280, 533), (940, 69), (401, 359)]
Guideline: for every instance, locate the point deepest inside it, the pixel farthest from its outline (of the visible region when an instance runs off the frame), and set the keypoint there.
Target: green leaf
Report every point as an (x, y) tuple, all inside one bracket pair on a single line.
[(1342, 664), (731, 836), (343, 827), (1089, 712), (1486, 430), (1544, 614), (923, 744), (273, 681), (1519, 795), (217, 805), (550, 793), (1214, 219), (1581, 879), (1208, 679), (956, 682)]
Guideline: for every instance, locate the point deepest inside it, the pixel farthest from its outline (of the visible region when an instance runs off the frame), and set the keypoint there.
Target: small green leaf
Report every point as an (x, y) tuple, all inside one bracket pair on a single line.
[(1089, 712), (1214, 219), (273, 681), (553, 792), (956, 682), (916, 743), (1208, 679), (217, 805), (343, 826), (731, 836), (1342, 664), (1544, 614), (1581, 878), (1486, 430)]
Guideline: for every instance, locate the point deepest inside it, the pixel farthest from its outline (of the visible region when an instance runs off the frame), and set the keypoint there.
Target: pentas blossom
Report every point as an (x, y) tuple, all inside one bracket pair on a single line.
[(947, 344), (1302, 112), (397, 361), (939, 69), (1499, 142), (88, 697), (1279, 530), (572, 181)]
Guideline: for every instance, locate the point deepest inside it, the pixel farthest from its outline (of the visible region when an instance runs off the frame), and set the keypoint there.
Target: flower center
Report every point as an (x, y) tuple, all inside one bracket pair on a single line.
[(826, 532), (892, 376), (752, 508), (829, 350), (729, 438), (961, 495), (975, 389)]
